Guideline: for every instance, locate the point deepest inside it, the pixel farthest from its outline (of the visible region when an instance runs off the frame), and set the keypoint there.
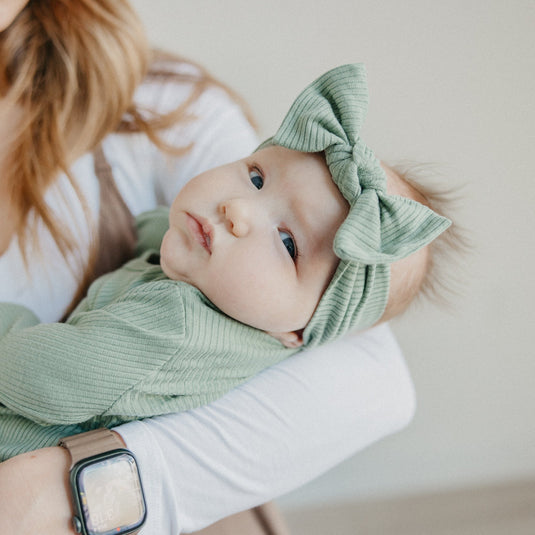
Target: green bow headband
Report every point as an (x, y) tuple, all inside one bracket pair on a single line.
[(379, 229)]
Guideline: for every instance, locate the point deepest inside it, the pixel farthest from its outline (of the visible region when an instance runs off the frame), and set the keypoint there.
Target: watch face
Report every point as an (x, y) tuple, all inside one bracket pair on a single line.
[(111, 499)]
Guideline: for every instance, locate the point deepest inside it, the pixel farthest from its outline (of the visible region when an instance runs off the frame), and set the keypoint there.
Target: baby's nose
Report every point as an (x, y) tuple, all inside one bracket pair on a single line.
[(236, 213)]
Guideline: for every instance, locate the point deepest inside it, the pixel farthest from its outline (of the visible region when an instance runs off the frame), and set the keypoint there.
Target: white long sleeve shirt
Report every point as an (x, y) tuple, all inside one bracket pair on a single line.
[(266, 437)]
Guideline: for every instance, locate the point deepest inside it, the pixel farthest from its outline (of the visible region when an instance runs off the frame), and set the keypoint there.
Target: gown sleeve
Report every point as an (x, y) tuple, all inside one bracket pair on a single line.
[(66, 373)]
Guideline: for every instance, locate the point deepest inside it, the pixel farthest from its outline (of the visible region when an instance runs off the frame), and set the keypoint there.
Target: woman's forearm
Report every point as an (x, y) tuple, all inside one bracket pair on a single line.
[(34, 494), (278, 431)]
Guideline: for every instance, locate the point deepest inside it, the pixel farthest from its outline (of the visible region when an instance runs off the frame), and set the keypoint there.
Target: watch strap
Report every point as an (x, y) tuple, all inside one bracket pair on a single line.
[(90, 443)]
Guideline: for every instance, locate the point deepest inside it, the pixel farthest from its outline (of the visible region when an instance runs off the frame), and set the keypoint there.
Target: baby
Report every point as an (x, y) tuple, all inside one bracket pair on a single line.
[(288, 248)]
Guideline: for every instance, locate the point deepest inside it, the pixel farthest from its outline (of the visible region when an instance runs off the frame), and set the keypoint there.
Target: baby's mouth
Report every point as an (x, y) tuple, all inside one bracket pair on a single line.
[(201, 230)]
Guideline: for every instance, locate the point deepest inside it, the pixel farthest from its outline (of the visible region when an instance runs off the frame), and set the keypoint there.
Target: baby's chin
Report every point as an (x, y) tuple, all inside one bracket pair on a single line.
[(165, 257), (163, 265)]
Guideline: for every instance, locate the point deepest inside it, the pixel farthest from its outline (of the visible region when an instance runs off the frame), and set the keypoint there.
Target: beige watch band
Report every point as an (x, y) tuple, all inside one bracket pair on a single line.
[(91, 443)]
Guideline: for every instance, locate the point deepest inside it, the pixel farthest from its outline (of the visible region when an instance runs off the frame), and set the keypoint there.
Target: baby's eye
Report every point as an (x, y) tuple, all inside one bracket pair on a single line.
[(256, 178), (289, 243)]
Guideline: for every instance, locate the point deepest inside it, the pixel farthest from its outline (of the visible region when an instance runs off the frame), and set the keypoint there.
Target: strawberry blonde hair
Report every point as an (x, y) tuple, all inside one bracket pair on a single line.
[(71, 69)]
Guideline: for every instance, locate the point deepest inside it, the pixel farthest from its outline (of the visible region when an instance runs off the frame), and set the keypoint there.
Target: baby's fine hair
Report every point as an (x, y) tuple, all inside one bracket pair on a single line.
[(438, 281)]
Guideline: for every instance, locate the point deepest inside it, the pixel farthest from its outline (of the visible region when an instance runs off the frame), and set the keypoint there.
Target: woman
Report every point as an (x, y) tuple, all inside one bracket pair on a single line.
[(79, 153)]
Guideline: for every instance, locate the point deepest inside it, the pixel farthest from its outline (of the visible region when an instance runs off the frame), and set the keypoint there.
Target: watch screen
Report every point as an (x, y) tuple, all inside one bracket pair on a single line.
[(111, 495)]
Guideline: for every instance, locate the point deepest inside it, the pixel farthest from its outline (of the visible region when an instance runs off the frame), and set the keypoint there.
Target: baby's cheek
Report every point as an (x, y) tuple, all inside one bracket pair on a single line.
[(252, 286), (228, 288)]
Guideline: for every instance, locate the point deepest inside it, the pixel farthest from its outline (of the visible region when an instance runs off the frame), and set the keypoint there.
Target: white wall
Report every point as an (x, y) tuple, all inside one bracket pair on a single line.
[(452, 83)]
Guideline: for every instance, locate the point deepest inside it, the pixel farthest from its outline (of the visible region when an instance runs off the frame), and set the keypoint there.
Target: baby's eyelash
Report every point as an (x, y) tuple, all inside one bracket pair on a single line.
[(257, 177), (289, 242)]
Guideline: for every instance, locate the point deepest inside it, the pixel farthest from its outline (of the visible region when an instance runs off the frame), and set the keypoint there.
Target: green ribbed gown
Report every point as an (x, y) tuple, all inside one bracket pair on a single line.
[(139, 345)]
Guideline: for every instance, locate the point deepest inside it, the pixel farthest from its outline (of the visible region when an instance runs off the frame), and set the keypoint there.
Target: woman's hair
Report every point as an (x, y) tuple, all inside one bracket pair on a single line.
[(71, 69)]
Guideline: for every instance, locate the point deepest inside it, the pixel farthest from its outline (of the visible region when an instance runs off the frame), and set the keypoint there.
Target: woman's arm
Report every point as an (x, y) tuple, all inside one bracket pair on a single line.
[(34, 493), (278, 431)]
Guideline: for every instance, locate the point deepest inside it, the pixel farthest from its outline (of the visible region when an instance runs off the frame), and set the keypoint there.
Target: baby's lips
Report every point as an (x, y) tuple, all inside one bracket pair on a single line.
[(202, 231)]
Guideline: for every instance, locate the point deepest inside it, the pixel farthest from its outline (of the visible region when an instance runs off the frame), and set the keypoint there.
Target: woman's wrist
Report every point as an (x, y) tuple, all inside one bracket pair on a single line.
[(34, 493)]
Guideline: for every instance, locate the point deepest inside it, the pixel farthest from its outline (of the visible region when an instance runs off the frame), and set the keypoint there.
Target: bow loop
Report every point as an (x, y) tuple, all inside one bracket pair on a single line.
[(330, 111), (381, 229)]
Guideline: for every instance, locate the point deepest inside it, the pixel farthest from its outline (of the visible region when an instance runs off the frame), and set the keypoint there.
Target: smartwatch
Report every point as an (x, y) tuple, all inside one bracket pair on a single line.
[(105, 483)]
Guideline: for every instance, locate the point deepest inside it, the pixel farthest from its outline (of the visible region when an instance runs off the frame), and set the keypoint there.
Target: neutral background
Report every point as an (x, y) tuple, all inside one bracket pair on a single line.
[(451, 83)]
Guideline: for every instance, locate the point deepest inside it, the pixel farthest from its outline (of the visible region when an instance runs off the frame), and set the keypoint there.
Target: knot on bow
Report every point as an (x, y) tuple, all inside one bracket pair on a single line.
[(354, 168)]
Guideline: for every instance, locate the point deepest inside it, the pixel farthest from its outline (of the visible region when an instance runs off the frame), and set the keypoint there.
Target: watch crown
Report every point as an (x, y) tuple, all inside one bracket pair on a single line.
[(77, 524)]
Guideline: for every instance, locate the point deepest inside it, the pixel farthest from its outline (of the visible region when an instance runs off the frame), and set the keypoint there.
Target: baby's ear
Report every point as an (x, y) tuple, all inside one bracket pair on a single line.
[(291, 339)]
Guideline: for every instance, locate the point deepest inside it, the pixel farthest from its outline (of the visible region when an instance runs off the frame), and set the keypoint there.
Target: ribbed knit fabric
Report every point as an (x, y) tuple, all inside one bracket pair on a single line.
[(138, 345), (380, 229)]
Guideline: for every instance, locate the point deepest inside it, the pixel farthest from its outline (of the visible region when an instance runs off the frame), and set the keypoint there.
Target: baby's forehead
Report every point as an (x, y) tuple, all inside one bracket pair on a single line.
[(284, 157), (396, 183)]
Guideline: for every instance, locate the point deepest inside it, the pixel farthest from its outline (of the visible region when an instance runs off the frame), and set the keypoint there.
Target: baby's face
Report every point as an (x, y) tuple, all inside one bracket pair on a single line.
[(255, 236)]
